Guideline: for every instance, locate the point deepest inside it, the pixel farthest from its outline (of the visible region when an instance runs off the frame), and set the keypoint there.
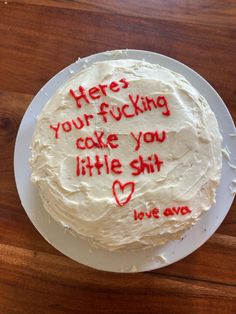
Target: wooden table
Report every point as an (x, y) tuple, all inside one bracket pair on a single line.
[(38, 39)]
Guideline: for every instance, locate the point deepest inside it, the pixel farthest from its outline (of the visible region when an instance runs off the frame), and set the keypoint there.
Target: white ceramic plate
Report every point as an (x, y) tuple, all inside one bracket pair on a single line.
[(80, 250)]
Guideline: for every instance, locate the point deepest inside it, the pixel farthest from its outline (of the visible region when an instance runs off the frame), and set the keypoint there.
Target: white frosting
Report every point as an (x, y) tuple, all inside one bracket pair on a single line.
[(191, 155), (225, 153)]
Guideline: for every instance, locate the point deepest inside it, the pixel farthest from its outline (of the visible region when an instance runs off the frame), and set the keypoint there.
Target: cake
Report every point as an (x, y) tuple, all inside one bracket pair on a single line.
[(127, 155)]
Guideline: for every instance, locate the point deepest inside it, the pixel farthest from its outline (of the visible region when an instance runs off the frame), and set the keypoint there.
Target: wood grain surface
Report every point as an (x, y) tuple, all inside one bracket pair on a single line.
[(38, 39)]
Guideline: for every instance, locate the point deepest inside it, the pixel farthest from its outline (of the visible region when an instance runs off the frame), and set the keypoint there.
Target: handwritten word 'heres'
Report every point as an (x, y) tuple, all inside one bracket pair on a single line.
[(97, 92)]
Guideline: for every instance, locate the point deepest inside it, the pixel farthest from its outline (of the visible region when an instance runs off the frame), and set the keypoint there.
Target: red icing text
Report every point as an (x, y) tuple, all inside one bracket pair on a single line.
[(108, 112), (181, 210), (98, 140), (155, 212), (105, 165), (137, 105), (148, 137), (68, 126), (81, 96), (150, 165), (98, 166)]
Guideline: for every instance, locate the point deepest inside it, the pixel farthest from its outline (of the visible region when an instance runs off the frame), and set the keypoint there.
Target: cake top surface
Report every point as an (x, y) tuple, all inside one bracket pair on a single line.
[(127, 154)]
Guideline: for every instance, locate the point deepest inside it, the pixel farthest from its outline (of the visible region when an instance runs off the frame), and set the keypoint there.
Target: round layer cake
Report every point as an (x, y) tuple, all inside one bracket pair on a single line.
[(127, 154)]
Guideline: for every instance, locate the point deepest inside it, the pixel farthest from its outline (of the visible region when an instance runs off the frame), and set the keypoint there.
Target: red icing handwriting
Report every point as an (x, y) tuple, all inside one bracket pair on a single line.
[(108, 112), (119, 189), (141, 166), (98, 140), (97, 166), (148, 137), (181, 210), (137, 105), (103, 165), (152, 213), (155, 212), (68, 126), (96, 92)]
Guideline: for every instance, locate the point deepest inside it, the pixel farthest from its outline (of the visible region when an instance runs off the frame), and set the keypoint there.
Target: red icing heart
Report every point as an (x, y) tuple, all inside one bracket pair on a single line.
[(117, 185)]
